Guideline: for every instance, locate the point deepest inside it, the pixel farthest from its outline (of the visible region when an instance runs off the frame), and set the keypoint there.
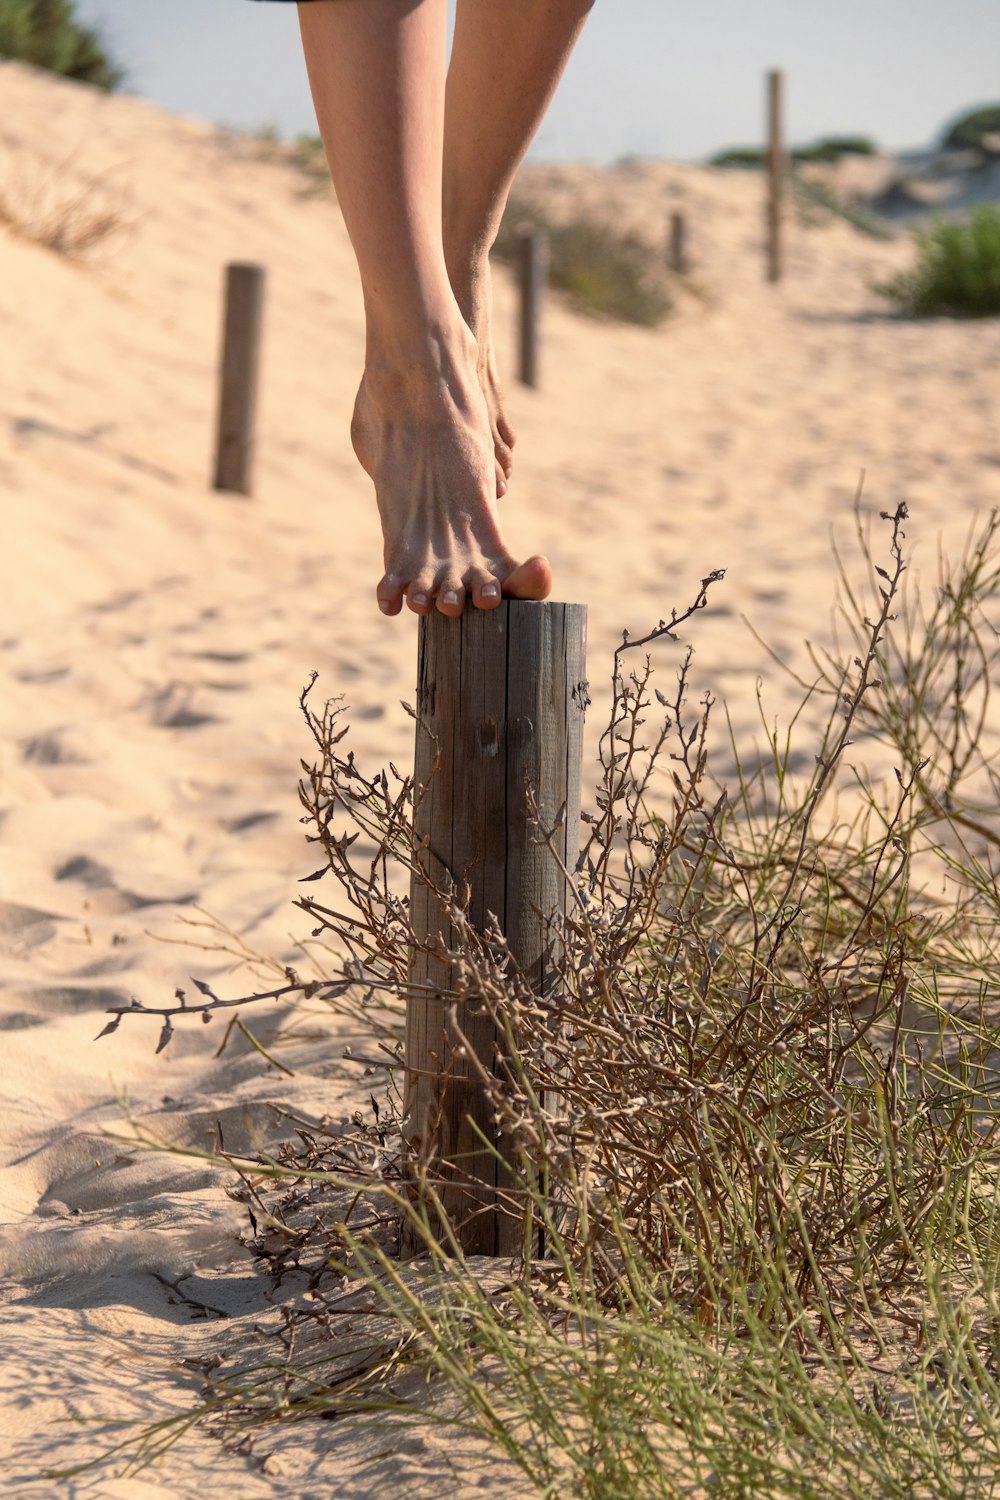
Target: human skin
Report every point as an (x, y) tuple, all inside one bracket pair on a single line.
[(422, 159)]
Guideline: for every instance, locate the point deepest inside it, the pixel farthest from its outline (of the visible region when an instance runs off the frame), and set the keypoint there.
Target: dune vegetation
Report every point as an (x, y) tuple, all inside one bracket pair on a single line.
[(49, 35), (755, 1127), (957, 269)]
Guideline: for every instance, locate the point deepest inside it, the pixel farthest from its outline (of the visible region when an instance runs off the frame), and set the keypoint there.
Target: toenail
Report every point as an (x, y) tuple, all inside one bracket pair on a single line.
[(418, 598), (490, 590), (449, 597)]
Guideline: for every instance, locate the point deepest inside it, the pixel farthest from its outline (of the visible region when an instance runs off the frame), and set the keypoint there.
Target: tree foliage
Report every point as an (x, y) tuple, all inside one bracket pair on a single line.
[(969, 129), (47, 34)]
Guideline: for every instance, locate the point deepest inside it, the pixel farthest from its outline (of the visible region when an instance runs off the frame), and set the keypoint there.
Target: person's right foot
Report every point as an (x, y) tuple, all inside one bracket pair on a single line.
[(472, 284), (422, 430)]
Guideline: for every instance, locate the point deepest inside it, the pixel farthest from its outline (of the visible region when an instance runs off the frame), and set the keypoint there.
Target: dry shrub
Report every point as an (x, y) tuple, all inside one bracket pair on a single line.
[(53, 205), (755, 1120), (746, 1057), (601, 269)]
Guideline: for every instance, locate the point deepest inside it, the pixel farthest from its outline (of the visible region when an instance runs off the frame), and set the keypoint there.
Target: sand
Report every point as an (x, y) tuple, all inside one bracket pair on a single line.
[(155, 635)]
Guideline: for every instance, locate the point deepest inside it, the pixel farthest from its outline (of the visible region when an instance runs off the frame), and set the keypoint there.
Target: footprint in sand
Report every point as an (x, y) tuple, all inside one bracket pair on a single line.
[(171, 709), (20, 1020), (41, 675), (116, 602), (105, 896), (25, 926), (86, 870), (54, 1000), (248, 821), (224, 658), (53, 748)]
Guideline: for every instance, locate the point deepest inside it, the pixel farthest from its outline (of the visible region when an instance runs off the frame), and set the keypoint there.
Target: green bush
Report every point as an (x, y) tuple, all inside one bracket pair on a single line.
[(833, 147), (739, 157), (46, 34), (970, 129), (830, 149), (957, 272)]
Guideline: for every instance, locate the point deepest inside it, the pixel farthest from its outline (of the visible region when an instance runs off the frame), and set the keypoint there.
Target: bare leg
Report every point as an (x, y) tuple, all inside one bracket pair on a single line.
[(507, 59), (421, 427)]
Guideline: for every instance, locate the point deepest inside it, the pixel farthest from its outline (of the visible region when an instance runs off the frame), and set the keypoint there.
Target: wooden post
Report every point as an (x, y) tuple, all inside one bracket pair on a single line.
[(677, 252), (500, 704), (533, 268), (238, 374), (775, 175)]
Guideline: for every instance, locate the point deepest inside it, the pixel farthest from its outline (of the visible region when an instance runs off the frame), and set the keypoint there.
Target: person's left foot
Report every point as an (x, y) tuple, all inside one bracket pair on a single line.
[(421, 431)]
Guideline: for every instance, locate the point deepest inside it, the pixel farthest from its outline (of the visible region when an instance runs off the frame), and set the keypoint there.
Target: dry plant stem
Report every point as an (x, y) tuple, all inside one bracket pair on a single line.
[(852, 694)]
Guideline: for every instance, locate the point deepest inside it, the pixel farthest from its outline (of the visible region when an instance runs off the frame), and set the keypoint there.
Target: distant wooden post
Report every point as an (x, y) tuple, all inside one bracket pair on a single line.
[(677, 252), (775, 175), (238, 376), (500, 704), (533, 270)]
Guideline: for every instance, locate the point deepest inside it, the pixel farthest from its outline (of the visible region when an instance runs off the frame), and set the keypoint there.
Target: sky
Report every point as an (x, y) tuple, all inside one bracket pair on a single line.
[(649, 77)]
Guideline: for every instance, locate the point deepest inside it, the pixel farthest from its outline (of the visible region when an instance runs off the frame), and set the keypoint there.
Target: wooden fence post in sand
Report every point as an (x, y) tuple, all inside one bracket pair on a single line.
[(677, 257), (775, 175), (533, 273), (238, 373), (500, 704)]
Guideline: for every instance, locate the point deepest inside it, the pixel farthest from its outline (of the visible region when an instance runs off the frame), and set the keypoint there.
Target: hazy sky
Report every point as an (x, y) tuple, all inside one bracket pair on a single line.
[(650, 77)]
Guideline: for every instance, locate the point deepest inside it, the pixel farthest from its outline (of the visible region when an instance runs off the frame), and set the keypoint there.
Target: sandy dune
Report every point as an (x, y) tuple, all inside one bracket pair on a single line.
[(154, 637)]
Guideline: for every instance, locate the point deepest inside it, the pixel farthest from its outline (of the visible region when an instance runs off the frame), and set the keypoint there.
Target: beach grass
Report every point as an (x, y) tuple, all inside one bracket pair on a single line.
[(49, 203), (601, 270), (817, 202), (957, 269), (755, 1123)]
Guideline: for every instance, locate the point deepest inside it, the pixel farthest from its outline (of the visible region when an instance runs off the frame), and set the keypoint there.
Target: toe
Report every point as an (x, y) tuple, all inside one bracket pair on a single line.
[(505, 459), (507, 438), (485, 589), (529, 580), (451, 599), (501, 481), (502, 451), (420, 594), (390, 595)]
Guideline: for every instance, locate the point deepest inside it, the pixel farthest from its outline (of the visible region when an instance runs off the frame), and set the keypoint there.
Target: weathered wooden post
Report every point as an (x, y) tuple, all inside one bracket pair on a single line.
[(500, 704), (533, 273), (775, 175), (677, 257), (238, 376)]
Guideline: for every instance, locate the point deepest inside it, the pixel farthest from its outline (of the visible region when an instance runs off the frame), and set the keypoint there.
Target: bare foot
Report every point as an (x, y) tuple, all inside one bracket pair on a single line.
[(472, 284), (422, 431)]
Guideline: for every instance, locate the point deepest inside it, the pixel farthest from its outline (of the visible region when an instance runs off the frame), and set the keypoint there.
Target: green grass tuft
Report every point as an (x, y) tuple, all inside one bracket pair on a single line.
[(957, 273)]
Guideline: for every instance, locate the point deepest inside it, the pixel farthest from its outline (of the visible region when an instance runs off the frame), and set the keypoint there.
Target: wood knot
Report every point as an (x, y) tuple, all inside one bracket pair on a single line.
[(488, 737)]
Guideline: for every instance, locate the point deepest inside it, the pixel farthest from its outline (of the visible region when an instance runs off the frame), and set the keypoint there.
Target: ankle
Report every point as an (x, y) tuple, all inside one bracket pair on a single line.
[(411, 371)]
